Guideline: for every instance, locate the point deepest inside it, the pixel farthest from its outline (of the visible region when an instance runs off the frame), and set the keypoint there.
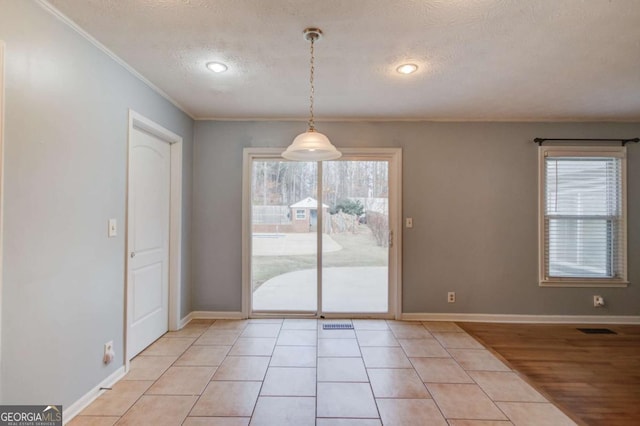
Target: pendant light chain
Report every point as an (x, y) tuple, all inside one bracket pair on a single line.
[(312, 92), (311, 145)]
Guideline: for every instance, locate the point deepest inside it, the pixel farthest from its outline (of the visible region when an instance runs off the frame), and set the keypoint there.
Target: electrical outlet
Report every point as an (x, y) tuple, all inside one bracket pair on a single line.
[(451, 297), (109, 354), (409, 222), (598, 301)]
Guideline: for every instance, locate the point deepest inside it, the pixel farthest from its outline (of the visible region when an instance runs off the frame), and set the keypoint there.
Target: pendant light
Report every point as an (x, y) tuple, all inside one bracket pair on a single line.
[(311, 145)]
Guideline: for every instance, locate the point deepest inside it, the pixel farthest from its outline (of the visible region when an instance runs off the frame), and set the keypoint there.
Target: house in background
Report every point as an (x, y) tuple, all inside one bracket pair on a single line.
[(304, 215), (298, 217), (470, 169)]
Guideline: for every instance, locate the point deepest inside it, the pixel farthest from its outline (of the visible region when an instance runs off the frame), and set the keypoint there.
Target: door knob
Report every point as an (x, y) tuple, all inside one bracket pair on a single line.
[(133, 254)]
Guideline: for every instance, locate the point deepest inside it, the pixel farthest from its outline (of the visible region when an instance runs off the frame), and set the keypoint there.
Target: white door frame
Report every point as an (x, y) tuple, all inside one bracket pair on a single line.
[(1, 181), (394, 156), (139, 122)]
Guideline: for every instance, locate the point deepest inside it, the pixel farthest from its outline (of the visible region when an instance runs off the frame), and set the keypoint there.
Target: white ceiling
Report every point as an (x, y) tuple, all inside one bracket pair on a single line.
[(532, 60)]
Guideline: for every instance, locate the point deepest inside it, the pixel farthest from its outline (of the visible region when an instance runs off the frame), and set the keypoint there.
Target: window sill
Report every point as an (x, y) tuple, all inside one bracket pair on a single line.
[(584, 283)]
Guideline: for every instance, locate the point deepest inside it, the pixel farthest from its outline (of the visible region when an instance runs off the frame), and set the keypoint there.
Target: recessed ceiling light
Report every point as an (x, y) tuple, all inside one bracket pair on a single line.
[(217, 66), (407, 68)]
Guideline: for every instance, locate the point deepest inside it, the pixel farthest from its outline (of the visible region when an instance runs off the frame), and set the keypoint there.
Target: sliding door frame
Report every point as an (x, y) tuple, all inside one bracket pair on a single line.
[(394, 157), (1, 187)]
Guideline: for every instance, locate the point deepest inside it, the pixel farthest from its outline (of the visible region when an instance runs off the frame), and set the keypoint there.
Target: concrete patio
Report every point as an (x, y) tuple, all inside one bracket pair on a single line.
[(346, 289)]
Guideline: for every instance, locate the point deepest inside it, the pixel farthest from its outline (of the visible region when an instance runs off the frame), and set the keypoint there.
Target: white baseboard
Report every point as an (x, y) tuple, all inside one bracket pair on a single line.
[(74, 409), (540, 319), (215, 315), (184, 321), (209, 315), (505, 318)]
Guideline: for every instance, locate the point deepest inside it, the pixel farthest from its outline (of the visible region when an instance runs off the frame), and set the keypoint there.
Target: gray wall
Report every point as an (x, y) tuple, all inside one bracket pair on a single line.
[(471, 189), (65, 176)]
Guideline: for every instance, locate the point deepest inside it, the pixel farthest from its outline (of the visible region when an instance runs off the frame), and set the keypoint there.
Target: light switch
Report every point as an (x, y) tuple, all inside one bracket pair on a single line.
[(409, 222), (113, 228)]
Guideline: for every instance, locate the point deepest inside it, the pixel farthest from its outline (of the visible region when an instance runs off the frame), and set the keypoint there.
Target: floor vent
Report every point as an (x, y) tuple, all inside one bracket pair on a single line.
[(337, 326), (597, 331)]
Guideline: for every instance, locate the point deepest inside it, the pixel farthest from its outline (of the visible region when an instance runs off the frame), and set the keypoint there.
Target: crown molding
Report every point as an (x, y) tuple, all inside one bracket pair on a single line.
[(62, 17)]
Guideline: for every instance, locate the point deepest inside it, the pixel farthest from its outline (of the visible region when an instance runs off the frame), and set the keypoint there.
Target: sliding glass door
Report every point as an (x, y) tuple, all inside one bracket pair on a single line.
[(320, 235), (284, 239), (355, 274)]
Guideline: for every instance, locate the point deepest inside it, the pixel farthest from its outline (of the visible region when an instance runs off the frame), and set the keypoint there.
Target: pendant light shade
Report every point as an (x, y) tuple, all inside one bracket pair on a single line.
[(311, 145)]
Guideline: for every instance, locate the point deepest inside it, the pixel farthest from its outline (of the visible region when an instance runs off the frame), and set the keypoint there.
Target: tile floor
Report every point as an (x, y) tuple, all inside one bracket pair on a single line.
[(292, 372)]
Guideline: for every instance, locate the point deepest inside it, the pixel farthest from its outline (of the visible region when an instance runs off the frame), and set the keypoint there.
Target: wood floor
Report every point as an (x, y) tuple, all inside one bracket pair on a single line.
[(594, 378)]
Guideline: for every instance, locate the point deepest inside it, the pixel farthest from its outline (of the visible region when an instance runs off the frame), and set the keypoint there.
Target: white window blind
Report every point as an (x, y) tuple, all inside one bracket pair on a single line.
[(584, 220)]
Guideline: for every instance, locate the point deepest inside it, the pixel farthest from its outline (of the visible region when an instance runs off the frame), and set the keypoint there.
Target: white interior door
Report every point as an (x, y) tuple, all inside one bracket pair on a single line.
[(148, 240)]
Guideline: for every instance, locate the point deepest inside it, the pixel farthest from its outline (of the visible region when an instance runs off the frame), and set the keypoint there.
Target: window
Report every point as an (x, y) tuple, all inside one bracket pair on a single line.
[(583, 216), (301, 214)]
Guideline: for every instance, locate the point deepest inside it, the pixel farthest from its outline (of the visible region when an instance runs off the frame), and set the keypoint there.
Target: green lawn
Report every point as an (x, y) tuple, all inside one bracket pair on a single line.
[(358, 249)]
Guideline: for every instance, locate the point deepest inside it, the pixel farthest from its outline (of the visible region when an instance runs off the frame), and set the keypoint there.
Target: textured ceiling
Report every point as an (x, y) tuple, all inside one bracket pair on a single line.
[(479, 59)]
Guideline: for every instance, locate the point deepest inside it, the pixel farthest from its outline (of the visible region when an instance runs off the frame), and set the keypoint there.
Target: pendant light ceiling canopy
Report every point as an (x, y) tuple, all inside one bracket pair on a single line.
[(311, 145)]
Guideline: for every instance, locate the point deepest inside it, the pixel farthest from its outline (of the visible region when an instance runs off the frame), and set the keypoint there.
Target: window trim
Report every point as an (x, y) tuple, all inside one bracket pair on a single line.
[(580, 151), (302, 216)]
